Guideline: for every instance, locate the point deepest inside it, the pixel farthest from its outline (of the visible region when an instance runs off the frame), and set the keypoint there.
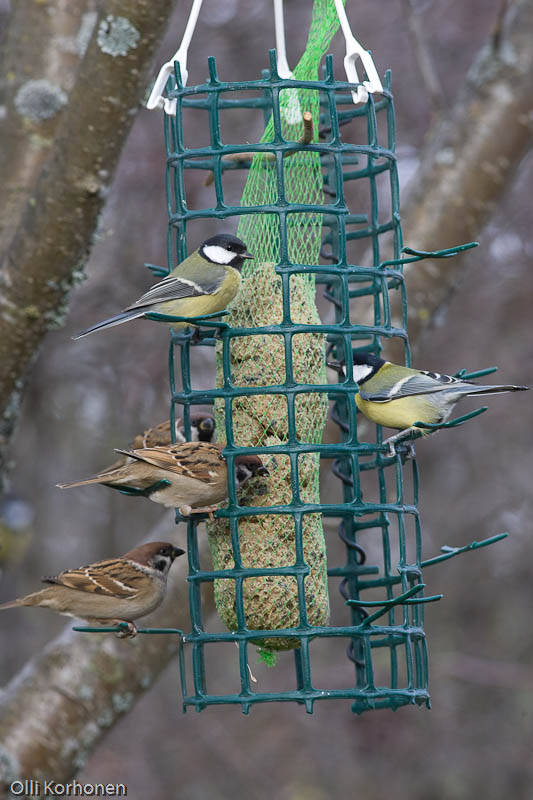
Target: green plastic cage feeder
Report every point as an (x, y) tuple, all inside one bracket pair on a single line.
[(301, 182), (284, 227)]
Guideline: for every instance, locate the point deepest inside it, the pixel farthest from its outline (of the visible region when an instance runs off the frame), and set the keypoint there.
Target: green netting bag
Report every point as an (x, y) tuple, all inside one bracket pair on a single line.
[(271, 602)]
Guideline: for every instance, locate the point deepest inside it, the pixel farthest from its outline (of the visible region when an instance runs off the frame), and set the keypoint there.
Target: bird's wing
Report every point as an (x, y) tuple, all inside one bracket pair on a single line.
[(177, 287), (113, 578), (415, 382), (197, 460), (155, 437)]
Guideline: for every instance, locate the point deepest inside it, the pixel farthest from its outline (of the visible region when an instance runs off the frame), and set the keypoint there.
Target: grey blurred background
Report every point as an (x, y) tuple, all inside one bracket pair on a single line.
[(87, 397)]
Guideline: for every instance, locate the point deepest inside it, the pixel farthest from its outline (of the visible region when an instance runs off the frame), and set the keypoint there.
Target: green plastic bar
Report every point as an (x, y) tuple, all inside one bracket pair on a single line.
[(132, 491), (450, 553), (123, 627), (453, 423)]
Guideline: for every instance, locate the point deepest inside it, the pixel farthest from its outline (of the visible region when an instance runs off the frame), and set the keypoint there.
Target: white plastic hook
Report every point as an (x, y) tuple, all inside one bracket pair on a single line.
[(292, 111), (281, 52), (156, 99), (354, 50)]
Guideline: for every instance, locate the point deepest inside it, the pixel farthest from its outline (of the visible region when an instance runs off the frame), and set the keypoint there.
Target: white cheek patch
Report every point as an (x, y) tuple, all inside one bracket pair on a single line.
[(218, 254), (361, 371)]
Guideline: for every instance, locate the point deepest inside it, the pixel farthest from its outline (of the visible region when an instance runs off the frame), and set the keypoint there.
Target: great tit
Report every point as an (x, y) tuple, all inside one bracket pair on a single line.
[(397, 397), (204, 283)]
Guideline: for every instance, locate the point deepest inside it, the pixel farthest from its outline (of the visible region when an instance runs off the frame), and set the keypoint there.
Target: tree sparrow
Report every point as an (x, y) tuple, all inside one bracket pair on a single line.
[(112, 591), (202, 430), (195, 475)]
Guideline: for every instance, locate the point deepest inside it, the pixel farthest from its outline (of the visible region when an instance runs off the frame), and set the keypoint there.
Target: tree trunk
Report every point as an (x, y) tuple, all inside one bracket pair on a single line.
[(468, 164), (46, 255)]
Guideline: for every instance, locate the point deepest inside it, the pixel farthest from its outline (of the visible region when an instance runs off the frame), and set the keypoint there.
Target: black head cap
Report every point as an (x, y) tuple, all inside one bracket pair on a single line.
[(360, 358), (224, 248), (364, 358)]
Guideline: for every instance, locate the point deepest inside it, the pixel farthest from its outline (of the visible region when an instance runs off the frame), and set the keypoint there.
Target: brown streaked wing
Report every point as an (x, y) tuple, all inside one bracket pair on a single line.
[(198, 460), (157, 436), (113, 577)]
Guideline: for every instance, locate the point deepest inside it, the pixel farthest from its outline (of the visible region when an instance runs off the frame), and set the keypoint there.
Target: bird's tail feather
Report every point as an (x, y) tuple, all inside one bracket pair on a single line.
[(101, 478), (481, 390), (11, 604), (129, 453), (124, 316)]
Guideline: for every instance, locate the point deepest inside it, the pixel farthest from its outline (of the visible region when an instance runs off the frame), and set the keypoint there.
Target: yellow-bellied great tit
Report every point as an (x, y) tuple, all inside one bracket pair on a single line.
[(204, 283), (397, 397)]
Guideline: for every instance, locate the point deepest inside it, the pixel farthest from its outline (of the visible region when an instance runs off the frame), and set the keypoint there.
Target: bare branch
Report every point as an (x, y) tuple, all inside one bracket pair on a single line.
[(497, 31), (467, 166), (426, 66), (43, 47), (54, 235)]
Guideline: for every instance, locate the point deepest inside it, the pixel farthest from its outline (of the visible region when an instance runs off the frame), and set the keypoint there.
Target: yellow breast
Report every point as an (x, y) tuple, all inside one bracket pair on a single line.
[(401, 413), (204, 304)]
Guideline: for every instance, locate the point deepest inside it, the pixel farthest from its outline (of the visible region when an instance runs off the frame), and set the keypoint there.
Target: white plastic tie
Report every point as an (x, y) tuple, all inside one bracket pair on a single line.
[(354, 50), (292, 111), (157, 99)]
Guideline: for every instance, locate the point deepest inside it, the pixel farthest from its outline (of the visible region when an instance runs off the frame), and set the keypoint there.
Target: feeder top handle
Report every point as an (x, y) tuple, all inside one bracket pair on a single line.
[(156, 99), (354, 50)]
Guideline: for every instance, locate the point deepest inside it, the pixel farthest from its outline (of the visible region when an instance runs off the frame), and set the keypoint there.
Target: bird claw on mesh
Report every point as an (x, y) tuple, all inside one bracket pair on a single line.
[(392, 449), (186, 511), (410, 451), (209, 510), (126, 633), (392, 440), (196, 337), (406, 450)]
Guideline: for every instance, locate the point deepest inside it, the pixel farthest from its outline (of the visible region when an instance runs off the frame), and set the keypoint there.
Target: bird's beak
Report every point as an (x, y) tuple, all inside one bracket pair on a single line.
[(247, 255), (262, 471), (337, 366), (207, 424), (177, 551)]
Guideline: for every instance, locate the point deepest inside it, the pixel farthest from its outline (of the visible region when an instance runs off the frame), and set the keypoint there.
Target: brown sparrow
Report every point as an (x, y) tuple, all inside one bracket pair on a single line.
[(202, 430), (195, 474), (112, 591)]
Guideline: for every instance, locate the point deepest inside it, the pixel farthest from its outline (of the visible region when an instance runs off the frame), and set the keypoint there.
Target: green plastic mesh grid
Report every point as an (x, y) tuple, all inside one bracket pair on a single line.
[(268, 548), (270, 398), (267, 545)]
